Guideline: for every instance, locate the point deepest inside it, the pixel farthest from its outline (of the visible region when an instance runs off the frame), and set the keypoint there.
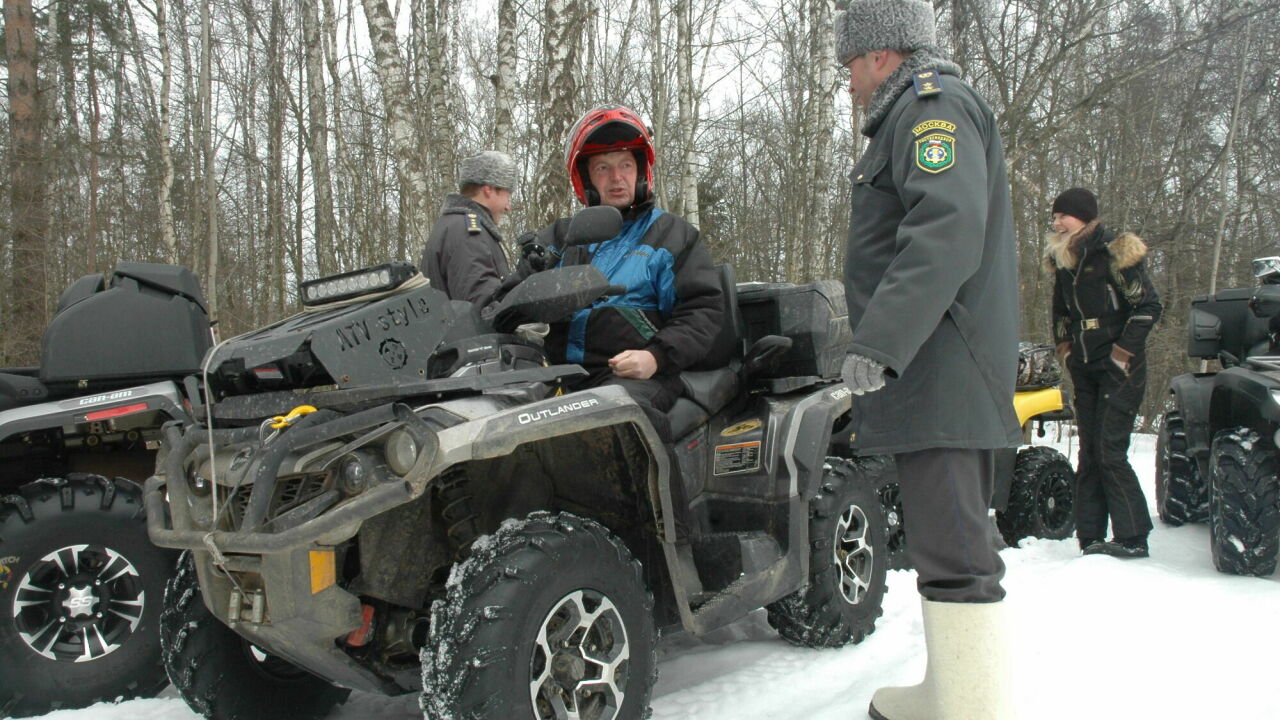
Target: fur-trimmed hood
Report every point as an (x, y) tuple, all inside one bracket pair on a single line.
[(1063, 251)]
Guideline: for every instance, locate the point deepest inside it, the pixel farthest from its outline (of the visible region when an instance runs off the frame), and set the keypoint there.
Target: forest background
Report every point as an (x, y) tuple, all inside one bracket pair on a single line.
[(260, 142)]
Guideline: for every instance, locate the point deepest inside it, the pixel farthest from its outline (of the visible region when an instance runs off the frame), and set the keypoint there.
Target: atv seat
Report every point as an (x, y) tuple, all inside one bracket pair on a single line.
[(20, 386), (713, 383)]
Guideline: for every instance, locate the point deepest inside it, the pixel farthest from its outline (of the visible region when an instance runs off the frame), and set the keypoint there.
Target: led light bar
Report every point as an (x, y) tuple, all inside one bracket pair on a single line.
[(345, 286)]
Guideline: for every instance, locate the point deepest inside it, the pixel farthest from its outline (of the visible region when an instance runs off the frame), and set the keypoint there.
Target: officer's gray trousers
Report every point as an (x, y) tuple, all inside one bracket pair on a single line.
[(945, 495)]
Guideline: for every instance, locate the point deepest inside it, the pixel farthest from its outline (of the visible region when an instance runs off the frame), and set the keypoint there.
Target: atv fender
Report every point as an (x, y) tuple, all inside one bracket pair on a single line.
[(1191, 395)]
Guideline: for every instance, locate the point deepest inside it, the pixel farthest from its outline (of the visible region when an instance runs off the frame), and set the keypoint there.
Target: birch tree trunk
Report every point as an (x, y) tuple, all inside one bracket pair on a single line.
[(1226, 161), (95, 122), (317, 136), (563, 22), (210, 176), (504, 80), (167, 234), (27, 191), (396, 97), (688, 122), (822, 102)]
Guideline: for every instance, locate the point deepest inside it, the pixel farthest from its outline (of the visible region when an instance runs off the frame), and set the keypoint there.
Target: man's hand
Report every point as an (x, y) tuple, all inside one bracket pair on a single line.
[(637, 364), (1063, 350), (862, 374), (1121, 357)]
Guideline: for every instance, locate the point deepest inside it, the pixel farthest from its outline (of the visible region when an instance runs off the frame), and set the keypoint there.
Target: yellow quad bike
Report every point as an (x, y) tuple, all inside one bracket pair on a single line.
[(1033, 493)]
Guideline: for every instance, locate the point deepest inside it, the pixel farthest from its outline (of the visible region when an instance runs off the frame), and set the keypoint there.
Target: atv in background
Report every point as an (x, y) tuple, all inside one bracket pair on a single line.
[(1216, 453), (395, 496), (80, 584), (1034, 485)]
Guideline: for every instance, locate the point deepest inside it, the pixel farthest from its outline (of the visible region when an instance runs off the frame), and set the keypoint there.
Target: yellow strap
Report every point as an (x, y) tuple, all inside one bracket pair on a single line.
[(284, 421)]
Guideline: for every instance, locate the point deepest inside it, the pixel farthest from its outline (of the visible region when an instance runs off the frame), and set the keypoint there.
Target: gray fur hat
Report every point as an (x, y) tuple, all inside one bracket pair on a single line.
[(902, 25), (490, 167)]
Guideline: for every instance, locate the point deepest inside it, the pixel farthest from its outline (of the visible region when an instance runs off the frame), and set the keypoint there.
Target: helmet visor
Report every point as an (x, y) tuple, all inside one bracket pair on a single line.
[(1267, 268)]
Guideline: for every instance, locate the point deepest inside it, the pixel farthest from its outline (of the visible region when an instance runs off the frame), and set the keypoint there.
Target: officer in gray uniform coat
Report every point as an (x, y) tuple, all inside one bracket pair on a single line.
[(931, 282), (464, 255)]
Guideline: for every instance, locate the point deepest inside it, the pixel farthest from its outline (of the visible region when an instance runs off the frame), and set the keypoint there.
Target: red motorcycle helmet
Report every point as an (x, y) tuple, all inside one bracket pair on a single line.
[(608, 128)]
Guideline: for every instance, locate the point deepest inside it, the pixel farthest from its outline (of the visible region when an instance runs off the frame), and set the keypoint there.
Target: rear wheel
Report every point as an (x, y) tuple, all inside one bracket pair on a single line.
[(1244, 522), (548, 619), (1181, 495), (847, 564), (221, 675), (80, 595), (1040, 498)]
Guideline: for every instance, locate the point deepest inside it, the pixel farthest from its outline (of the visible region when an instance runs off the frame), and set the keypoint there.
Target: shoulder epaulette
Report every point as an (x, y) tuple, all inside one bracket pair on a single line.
[(473, 224), (928, 83)]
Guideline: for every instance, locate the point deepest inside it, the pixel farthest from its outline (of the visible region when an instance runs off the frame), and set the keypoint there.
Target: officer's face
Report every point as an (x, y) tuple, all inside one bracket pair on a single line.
[(862, 79), (497, 200), (614, 176)]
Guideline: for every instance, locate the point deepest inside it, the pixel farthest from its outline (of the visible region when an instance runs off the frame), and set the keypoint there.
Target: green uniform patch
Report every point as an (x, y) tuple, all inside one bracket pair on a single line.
[(935, 152)]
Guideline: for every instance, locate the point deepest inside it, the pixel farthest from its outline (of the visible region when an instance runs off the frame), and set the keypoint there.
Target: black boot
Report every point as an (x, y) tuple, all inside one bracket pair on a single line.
[(1127, 547), (1091, 546)]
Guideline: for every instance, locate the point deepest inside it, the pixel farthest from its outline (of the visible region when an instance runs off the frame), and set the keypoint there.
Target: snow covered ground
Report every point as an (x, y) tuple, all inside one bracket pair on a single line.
[(1166, 638)]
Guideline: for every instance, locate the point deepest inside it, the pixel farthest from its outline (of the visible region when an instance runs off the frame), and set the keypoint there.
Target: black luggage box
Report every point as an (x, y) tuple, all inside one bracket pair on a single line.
[(1223, 321), (150, 321), (814, 316)]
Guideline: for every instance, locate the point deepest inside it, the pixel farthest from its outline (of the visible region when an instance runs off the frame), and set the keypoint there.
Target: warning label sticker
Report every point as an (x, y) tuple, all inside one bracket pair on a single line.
[(737, 458)]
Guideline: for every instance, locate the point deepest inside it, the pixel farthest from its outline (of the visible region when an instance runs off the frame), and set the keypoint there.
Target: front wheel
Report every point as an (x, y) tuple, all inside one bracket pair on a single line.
[(549, 618), (1040, 497), (80, 589), (221, 675), (848, 558), (1244, 503)]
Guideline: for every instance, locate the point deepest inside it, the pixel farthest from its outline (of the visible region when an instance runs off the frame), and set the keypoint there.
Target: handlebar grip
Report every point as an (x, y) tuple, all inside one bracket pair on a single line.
[(616, 290)]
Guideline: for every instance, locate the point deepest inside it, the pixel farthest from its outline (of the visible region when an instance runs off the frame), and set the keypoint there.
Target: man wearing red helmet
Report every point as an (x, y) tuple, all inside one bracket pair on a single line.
[(666, 320)]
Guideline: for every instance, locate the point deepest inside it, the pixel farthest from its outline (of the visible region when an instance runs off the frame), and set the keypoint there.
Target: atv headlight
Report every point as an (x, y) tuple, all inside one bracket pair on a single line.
[(343, 286), (1275, 396), (402, 451)]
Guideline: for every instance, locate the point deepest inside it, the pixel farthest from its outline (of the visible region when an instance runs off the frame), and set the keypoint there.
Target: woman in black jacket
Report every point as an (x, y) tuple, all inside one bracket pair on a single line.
[(1103, 308)]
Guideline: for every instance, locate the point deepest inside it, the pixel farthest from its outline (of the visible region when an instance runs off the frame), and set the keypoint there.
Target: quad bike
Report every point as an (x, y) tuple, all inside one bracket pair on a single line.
[(80, 583), (1033, 492), (1216, 452), (396, 496)]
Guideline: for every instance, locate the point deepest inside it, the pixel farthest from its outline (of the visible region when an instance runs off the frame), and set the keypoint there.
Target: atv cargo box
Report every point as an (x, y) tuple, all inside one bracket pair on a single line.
[(1223, 321), (814, 316), (113, 331)]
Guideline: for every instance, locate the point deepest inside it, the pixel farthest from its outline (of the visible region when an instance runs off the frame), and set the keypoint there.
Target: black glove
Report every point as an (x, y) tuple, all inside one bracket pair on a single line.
[(535, 257)]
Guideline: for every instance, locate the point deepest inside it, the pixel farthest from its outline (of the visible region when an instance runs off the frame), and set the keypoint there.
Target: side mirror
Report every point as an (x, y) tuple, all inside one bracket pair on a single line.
[(593, 225)]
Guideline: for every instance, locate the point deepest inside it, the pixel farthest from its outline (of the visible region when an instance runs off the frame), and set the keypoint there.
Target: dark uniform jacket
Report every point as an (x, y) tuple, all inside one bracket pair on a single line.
[(673, 305), (931, 271), (464, 255), (1102, 294)]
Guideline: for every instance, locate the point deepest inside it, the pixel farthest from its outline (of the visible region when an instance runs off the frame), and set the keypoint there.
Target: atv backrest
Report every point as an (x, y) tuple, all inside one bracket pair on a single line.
[(80, 290), (149, 323), (1223, 321)]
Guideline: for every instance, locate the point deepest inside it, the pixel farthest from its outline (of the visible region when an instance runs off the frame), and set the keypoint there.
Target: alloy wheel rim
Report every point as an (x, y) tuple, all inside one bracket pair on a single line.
[(580, 661), (853, 555), (79, 603), (1055, 502)]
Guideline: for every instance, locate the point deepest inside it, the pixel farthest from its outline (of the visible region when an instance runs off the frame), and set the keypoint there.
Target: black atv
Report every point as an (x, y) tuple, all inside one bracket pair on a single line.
[(395, 496), (1216, 454), (80, 583)]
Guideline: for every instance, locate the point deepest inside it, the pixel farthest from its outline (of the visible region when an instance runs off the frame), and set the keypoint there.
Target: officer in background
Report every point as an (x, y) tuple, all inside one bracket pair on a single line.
[(464, 256), (931, 282)]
